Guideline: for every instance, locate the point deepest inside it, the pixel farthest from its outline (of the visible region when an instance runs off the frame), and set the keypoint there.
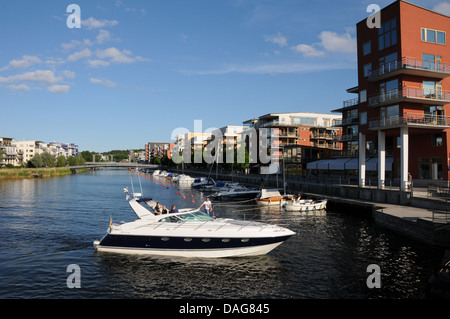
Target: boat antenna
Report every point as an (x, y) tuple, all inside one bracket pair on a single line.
[(140, 185)]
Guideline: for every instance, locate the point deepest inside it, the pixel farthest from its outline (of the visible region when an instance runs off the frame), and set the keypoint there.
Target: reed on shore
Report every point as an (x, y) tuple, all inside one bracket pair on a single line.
[(17, 173)]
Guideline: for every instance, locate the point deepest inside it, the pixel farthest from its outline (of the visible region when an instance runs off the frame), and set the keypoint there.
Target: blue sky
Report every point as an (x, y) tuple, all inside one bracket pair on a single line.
[(136, 70)]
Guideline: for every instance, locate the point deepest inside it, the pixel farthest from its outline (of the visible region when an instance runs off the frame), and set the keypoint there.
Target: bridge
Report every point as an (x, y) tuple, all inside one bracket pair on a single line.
[(111, 165)]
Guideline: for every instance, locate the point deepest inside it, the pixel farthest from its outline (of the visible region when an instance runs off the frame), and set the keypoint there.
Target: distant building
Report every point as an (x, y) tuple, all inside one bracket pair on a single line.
[(292, 132), (157, 149), (8, 154)]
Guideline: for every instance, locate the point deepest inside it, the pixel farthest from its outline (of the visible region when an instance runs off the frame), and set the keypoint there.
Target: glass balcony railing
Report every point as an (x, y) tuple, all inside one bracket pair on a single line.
[(418, 120), (424, 94), (413, 64)]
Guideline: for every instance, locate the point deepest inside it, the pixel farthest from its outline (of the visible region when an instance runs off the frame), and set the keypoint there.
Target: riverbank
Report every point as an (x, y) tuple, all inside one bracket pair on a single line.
[(19, 173)]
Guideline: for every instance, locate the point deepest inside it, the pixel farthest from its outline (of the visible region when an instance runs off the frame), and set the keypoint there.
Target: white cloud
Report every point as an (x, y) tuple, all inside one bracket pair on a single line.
[(114, 55), (308, 50), (20, 87), (104, 82), (69, 74), (26, 61), (40, 76), (277, 39), (443, 7), (332, 41), (272, 69), (79, 55), (103, 36), (92, 23), (70, 45), (59, 88), (97, 63)]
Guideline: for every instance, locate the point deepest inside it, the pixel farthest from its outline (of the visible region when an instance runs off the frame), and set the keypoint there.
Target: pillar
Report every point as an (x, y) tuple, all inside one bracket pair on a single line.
[(362, 159), (404, 159), (381, 159)]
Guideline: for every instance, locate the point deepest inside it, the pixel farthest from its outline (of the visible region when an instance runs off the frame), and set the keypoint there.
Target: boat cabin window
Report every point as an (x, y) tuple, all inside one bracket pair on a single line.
[(195, 217)]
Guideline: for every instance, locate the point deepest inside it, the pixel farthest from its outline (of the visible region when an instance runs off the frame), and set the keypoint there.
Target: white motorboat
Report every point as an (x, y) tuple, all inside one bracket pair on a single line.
[(303, 205), (156, 172), (189, 233), (183, 179), (236, 192), (202, 181), (272, 197)]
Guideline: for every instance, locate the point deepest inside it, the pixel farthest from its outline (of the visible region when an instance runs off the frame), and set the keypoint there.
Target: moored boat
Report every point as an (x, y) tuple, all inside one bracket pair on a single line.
[(303, 205)]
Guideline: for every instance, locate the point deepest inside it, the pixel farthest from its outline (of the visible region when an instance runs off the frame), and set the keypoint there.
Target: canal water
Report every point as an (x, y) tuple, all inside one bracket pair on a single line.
[(48, 224)]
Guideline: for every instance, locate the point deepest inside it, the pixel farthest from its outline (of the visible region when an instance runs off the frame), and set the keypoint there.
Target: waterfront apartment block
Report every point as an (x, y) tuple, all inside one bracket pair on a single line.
[(157, 149), (18, 153), (300, 136), (400, 118)]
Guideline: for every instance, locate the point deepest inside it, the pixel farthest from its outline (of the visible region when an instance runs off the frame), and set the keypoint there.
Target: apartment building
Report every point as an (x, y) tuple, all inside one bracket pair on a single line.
[(399, 119), (8, 153), (297, 135)]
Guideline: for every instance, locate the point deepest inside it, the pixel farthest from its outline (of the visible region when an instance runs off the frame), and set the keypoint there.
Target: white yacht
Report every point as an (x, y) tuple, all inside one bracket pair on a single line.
[(189, 233)]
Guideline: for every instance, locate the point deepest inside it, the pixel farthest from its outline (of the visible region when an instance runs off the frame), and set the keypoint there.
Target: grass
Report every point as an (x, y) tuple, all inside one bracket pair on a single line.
[(16, 173)]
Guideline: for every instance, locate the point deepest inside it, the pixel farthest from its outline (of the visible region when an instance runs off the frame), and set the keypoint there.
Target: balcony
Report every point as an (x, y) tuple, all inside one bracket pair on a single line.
[(349, 104), (345, 137), (411, 66), (411, 120), (413, 95)]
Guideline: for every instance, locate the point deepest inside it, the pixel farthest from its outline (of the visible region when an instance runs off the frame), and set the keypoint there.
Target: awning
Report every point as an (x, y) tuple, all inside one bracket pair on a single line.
[(322, 164), (339, 164)]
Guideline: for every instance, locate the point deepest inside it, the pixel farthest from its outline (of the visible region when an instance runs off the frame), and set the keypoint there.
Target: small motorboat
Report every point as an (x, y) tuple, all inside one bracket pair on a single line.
[(272, 197), (189, 233), (304, 205), (202, 181), (236, 192), (183, 179)]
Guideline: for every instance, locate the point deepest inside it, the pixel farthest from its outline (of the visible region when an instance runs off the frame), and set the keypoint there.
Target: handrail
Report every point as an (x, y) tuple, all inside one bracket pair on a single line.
[(411, 118), (410, 92), (413, 63)]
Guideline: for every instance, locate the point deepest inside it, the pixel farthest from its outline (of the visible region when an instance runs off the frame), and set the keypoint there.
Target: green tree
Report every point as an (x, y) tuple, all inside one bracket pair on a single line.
[(48, 160), (61, 161), (156, 160), (37, 161)]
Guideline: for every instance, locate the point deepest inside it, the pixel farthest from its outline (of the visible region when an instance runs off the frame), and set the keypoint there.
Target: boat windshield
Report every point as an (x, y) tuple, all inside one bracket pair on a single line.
[(195, 217)]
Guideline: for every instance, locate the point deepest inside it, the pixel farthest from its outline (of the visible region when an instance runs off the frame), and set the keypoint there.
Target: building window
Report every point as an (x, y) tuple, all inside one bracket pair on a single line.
[(387, 34), (437, 140), (367, 48), (433, 36), (363, 118), (367, 70), (363, 96)]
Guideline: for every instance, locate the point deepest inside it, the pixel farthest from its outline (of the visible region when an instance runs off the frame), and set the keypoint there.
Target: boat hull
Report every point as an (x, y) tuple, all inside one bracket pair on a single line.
[(188, 247), (303, 207)]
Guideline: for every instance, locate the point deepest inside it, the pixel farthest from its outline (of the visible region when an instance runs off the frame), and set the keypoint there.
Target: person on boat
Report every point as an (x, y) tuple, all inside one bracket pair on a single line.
[(157, 209), (163, 210), (173, 209), (208, 205)]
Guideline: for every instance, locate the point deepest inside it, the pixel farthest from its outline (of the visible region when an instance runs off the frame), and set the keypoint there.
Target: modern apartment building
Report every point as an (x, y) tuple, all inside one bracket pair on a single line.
[(8, 153), (296, 135), (400, 118)]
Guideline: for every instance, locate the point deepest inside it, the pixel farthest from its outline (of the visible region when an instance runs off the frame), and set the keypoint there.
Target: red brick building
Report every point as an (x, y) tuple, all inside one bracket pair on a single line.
[(401, 116)]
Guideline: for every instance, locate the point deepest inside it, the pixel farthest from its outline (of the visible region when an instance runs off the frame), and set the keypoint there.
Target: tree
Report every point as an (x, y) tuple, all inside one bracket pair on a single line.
[(36, 161), (61, 161), (48, 160)]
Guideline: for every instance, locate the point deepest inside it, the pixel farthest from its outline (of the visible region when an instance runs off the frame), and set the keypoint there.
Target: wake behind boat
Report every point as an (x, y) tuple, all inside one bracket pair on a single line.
[(189, 233)]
